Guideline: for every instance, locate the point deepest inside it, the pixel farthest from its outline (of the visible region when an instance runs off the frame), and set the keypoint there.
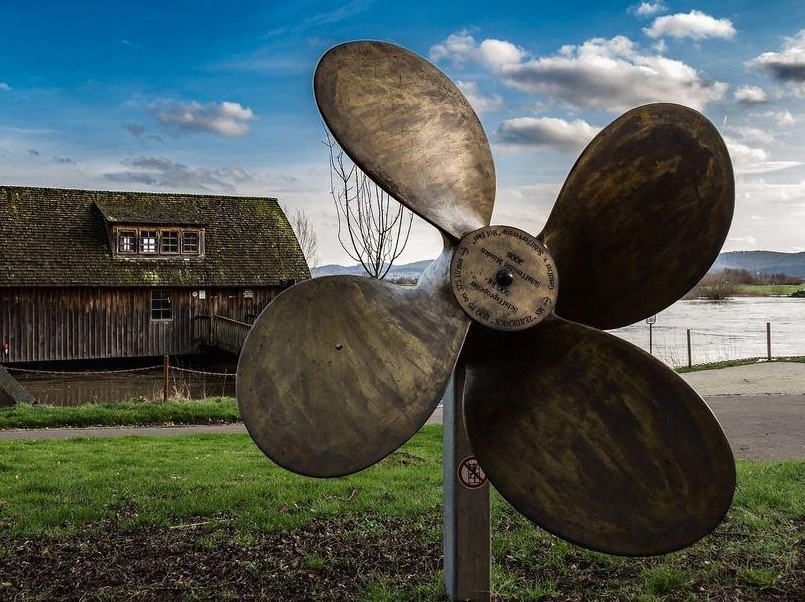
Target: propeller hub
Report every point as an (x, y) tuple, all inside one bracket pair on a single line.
[(504, 278)]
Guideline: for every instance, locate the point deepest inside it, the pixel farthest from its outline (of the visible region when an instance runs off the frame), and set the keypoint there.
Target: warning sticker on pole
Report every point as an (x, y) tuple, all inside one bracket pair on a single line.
[(470, 474)]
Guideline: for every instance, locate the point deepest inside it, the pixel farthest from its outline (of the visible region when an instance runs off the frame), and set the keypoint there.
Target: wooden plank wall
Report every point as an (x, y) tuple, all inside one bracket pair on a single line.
[(52, 324)]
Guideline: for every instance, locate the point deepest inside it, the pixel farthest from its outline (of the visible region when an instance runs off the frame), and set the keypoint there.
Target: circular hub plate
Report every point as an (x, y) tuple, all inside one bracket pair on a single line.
[(504, 278)]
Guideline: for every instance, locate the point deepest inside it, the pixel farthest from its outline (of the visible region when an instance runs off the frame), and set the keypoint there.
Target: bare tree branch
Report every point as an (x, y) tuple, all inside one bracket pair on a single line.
[(305, 234), (373, 228)]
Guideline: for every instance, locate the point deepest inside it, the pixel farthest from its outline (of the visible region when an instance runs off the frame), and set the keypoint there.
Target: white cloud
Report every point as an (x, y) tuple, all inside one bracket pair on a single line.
[(526, 206), (741, 154), (753, 134), (695, 24), (546, 132), (228, 119), (647, 9), (787, 65), (741, 242), (461, 48), (479, 102), (753, 160), (160, 172), (779, 201), (4, 87), (494, 54), (613, 75), (782, 117), (751, 95)]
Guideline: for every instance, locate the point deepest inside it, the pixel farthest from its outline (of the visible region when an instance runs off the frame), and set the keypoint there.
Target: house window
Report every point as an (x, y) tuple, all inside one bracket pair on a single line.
[(155, 241), (148, 241), (169, 242), (161, 308), (190, 243), (127, 241)]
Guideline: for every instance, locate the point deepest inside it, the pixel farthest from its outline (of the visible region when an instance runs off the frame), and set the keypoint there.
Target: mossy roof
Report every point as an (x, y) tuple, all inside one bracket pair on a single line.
[(58, 237)]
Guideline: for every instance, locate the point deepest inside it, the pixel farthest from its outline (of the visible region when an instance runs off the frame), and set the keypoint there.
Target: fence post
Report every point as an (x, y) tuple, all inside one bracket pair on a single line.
[(166, 368), (768, 341), (690, 358)]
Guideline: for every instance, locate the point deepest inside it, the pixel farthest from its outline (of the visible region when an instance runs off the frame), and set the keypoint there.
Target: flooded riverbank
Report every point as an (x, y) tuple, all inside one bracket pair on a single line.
[(195, 377), (726, 330)]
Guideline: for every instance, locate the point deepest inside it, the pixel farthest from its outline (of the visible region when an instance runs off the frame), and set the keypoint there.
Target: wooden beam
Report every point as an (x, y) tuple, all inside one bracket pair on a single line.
[(12, 392)]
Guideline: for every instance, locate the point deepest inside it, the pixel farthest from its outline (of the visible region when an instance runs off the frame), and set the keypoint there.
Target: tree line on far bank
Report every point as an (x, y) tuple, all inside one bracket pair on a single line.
[(725, 283)]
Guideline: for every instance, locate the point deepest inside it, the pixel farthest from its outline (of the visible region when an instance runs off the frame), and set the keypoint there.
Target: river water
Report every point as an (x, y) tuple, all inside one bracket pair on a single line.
[(723, 330), (195, 379)]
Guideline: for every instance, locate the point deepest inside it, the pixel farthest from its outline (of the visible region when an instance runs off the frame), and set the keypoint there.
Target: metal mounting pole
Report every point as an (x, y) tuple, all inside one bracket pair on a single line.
[(466, 505)]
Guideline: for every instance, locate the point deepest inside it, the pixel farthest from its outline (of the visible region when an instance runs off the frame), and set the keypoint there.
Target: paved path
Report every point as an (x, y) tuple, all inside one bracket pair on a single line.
[(763, 378), (122, 431), (761, 408)]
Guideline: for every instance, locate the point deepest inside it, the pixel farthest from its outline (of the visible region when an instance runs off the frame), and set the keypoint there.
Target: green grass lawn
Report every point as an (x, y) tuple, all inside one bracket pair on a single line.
[(215, 410), (741, 362), (767, 290), (208, 499)]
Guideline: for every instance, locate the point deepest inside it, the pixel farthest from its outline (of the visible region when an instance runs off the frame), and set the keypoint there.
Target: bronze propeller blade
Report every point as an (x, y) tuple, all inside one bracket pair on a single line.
[(409, 128), (595, 440), (338, 372), (641, 217), (584, 433)]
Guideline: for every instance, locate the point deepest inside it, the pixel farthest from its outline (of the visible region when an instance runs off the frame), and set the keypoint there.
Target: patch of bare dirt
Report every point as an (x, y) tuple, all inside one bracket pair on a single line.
[(324, 561), (327, 560)]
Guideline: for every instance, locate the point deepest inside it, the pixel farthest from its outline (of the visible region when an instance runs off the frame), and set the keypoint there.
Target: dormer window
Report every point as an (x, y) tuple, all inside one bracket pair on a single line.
[(169, 243), (190, 243), (151, 241), (127, 241), (148, 241)]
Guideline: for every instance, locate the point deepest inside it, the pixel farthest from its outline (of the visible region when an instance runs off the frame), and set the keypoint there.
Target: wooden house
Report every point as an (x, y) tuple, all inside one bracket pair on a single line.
[(90, 274)]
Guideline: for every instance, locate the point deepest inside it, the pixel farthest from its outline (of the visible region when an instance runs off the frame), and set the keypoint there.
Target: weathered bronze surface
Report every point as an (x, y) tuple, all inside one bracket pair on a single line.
[(504, 278), (584, 433), (338, 372), (641, 217), (409, 128), (595, 440)]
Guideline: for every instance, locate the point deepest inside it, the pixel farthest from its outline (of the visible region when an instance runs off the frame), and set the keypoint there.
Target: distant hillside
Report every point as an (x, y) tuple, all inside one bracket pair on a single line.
[(765, 262), (407, 270)]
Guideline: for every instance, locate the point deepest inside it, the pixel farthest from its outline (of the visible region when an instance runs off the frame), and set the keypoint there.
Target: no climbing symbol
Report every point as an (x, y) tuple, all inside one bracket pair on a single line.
[(470, 474)]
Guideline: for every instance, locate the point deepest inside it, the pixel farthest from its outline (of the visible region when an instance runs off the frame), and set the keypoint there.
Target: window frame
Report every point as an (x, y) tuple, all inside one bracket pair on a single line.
[(158, 242), (148, 242), (161, 309), (128, 236), (165, 236), (197, 244)]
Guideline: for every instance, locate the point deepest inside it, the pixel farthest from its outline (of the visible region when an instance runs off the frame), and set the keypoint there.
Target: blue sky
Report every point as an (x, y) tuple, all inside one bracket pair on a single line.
[(216, 97)]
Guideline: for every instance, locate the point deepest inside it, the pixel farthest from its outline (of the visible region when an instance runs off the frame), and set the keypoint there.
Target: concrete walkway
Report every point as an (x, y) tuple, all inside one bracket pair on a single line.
[(763, 378)]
